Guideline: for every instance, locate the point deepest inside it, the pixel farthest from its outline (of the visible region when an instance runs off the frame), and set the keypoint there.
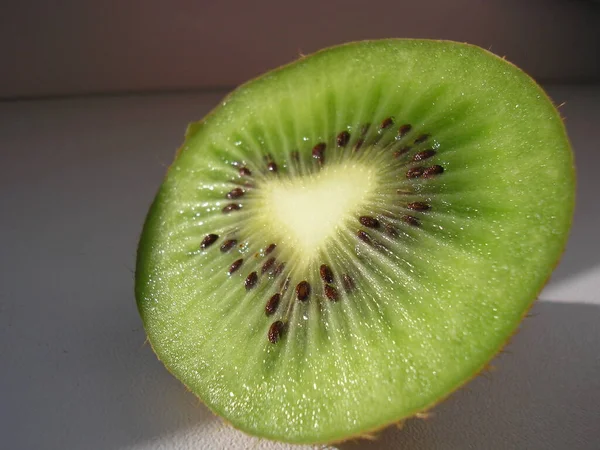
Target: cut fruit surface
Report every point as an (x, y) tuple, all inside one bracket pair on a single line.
[(348, 239)]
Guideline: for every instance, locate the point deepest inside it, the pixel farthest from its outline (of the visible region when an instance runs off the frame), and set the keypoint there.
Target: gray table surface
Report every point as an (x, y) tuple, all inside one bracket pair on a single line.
[(77, 176)]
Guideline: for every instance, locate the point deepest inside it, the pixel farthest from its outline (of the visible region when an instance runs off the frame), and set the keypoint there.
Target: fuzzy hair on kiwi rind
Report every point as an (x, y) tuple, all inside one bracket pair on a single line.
[(169, 302)]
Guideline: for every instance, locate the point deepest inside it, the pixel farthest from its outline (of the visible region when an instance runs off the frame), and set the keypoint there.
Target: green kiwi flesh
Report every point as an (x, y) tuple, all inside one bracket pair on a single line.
[(348, 239)]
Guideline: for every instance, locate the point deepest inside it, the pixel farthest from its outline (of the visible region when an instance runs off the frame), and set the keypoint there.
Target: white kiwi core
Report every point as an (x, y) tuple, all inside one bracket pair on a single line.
[(304, 212)]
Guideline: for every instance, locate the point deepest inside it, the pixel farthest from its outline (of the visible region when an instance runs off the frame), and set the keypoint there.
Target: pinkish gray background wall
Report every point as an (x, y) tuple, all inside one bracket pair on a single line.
[(55, 48)]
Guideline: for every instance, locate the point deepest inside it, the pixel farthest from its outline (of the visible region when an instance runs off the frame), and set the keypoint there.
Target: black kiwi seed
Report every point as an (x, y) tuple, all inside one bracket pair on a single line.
[(251, 280), (270, 248), (348, 282), (318, 152), (275, 331), (279, 269), (402, 151), (404, 130), (359, 144), (390, 230), (208, 240), (421, 139), (423, 155), (231, 207), (302, 290), (363, 236), (245, 172), (379, 246), (267, 265), (415, 172), (343, 138), (228, 245), (236, 193), (411, 220), (236, 265), (418, 206), (433, 170), (331, 293), (326, 273), (369, 222), (272, 304), (386, 123), (272, 167)]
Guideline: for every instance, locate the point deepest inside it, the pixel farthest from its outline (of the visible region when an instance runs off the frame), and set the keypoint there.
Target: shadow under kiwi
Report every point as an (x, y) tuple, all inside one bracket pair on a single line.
[(543, 394)]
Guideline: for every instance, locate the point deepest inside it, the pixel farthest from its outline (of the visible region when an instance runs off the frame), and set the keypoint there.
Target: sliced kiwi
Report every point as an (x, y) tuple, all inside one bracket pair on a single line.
[(348, 239)]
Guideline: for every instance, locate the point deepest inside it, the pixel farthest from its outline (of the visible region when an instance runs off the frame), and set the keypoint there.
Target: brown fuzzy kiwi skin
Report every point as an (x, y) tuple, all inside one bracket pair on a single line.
[(422, 412)]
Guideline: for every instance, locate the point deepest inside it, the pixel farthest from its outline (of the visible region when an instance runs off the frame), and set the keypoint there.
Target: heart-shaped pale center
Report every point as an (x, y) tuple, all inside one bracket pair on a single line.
[(304, 212)]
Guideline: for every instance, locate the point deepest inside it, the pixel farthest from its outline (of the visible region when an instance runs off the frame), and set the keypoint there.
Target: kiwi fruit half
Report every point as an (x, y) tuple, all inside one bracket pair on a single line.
[(346, 240)]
